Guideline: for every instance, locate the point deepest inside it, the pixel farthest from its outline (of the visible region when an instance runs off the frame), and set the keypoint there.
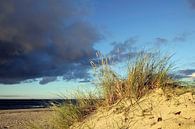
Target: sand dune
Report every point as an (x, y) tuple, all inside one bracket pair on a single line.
[(154, 111)]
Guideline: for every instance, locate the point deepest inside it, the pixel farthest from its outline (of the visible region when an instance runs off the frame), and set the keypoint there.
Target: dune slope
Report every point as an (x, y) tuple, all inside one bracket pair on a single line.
[(154, 111)]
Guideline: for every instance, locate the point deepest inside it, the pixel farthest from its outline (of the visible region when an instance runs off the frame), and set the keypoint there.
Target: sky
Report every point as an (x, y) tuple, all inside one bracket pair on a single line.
[(46, 46)]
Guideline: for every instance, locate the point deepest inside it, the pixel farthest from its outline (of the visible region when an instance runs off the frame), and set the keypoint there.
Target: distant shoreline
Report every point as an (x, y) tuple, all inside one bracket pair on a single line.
[(9, 104)]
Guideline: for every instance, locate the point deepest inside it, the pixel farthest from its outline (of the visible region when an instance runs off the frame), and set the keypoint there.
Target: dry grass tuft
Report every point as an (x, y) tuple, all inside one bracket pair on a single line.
[(146, 72), (69, 113)]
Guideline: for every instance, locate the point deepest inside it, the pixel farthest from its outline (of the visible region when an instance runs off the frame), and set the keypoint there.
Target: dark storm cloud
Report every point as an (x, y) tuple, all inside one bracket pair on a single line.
[(44, 38), (77, 71), (192, 3)]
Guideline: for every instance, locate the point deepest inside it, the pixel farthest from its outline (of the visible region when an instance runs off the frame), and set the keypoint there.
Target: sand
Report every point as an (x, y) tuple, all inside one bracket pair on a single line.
[(154, 111), (20, 118)]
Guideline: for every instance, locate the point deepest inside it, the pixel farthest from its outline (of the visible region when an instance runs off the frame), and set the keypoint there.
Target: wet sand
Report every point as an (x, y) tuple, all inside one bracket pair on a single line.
[(20, 118)]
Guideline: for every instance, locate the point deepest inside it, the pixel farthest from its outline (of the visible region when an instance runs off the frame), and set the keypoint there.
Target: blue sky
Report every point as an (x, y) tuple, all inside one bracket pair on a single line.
[(54, 47)]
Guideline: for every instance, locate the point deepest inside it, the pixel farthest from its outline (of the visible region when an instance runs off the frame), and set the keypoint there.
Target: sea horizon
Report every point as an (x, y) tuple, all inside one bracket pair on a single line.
[(8, 104)]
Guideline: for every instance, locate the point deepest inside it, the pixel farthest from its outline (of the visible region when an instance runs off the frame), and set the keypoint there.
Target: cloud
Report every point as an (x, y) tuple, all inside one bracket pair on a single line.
[(120, 47), (185, 74), (12, 96), (44, 38), (84, 81), (187, 71), (77, 71), (126, 50), (46, 80), (182, 37), (192, 3), (123, 50), (159, 41), (178, 76)]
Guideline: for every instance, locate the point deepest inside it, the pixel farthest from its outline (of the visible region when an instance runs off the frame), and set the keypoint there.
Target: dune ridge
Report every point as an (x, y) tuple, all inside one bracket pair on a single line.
[(156, 110)]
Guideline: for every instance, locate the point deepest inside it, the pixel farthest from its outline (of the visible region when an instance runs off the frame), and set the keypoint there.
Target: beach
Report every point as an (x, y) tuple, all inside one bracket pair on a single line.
[(21, 118)]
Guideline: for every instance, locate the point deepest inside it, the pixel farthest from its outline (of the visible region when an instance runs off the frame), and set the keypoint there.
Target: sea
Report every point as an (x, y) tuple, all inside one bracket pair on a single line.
[(8, 104)]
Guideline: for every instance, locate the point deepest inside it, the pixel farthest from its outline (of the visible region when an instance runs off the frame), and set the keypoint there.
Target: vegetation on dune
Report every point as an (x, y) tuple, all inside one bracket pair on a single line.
[(67, 114), (146, 72)]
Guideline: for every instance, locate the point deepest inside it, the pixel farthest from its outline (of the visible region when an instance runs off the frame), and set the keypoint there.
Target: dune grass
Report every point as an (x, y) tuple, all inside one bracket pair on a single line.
[(146, 72), (69, 113)]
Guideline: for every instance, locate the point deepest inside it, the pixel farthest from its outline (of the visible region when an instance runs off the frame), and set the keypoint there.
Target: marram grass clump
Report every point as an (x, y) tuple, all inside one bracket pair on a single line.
[(146, 72)]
